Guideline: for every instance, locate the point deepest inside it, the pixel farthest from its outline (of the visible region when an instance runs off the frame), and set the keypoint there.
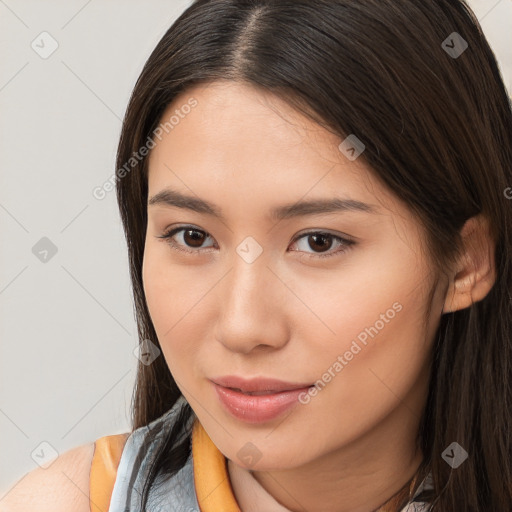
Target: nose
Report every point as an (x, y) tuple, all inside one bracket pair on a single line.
[(252, 307)]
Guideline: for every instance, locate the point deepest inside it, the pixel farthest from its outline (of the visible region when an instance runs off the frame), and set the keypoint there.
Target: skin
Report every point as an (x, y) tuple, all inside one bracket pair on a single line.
[(352, 446)]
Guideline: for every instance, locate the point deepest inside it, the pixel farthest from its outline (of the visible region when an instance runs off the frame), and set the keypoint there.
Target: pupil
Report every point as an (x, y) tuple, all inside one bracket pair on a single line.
[(323, 238), (194, 238)]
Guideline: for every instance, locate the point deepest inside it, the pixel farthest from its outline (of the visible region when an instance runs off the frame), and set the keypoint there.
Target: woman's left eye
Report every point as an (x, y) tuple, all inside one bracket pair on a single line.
[(193, 238), (325, 242)]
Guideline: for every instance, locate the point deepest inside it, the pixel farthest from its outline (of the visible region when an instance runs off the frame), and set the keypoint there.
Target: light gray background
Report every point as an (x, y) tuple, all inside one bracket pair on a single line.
[(67, 328)]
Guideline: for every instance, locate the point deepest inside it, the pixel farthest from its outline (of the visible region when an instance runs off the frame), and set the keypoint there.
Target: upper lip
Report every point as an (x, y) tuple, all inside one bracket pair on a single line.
[(257, 384)]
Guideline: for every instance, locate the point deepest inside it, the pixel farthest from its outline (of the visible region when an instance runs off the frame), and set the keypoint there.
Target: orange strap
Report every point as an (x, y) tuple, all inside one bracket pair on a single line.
[(107, 454), (211, 478)]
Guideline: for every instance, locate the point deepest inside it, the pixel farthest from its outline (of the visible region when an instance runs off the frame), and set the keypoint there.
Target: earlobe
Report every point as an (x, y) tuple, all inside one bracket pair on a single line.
[(475, 272)]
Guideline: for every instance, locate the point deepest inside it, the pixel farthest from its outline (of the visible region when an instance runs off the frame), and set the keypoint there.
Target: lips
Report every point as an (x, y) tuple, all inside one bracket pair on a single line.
[(259, 406), (259, 385)]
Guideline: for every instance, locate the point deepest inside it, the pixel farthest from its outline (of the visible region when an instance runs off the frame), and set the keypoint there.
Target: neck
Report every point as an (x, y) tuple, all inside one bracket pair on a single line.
[(376, 472), (402, 497)]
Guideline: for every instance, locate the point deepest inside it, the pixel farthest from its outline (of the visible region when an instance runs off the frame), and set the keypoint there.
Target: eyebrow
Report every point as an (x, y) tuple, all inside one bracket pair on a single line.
[(172, 198)]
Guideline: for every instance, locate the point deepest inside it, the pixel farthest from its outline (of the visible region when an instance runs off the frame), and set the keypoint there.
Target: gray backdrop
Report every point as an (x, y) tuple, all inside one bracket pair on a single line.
[(67, 329)]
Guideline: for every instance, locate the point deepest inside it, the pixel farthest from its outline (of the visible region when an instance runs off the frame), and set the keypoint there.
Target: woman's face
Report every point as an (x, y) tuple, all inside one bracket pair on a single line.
[(255, 296)]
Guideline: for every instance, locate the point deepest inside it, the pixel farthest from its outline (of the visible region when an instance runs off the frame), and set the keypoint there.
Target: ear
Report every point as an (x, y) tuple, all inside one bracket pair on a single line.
[(474, 273)]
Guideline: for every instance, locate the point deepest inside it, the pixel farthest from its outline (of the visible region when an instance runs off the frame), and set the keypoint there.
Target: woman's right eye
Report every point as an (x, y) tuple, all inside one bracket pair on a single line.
[(190, 236)]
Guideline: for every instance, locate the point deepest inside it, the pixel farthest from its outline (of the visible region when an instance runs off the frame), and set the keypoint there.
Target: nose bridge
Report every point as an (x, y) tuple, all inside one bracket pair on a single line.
[(250, 269), (251, 303), (248, 288)]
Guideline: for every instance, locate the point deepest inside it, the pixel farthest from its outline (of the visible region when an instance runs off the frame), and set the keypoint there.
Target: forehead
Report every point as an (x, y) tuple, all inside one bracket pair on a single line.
[(241, 138)]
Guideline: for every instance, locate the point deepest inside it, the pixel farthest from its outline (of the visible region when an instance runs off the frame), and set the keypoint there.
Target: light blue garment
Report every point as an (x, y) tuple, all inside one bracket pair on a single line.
[(176, 494)]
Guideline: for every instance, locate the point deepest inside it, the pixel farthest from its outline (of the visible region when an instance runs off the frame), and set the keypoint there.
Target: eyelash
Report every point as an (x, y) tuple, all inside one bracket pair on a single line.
[(167, 236)]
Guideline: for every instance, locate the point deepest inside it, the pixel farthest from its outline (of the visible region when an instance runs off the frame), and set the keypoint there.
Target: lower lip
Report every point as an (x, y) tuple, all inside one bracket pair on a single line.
[(257, 408)]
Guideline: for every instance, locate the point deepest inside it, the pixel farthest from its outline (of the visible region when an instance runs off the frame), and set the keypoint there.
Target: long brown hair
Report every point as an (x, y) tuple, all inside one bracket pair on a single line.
[(437, 127)]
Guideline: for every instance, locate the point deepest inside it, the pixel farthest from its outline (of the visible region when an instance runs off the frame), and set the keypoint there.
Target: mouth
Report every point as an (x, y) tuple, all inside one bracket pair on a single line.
[(256, 393), (258, 385), (242, 401)]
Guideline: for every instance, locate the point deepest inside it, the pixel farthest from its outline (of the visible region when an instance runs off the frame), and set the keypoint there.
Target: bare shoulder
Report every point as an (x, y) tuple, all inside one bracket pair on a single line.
[(62, 486)]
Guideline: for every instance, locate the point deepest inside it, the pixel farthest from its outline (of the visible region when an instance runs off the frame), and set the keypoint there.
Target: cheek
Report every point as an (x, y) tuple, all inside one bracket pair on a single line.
[(170, 290), (156, 282), (368, 343), (174, 299), (362, 303)]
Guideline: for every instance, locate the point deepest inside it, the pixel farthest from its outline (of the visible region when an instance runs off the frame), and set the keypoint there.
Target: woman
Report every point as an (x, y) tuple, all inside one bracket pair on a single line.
[(316, 200)]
